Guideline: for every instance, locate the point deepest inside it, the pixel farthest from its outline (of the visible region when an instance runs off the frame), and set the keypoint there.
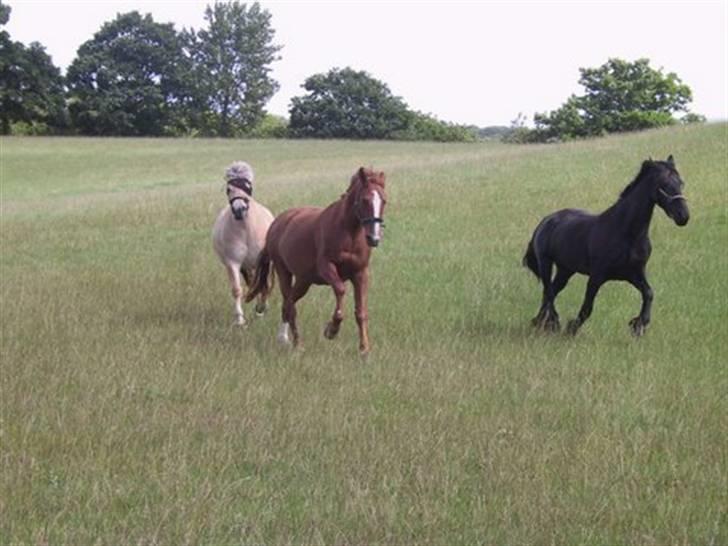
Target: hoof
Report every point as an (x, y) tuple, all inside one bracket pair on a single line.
[(283, 336), (331, 330), (364, 354), (637, 326), (240, 322), (261, 308), (552, 326), (573, 327)]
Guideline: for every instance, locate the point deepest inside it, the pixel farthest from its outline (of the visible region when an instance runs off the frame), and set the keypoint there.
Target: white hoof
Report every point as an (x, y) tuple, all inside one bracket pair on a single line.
[(283, 336)]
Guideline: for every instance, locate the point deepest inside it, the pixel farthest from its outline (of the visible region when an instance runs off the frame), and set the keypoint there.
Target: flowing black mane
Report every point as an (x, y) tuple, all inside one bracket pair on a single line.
[(649, 169)]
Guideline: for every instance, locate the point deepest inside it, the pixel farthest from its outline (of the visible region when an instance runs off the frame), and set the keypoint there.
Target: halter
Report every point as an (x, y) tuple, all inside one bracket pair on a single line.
[(246, 186), (671, 198), (242, 184), (368, 219)]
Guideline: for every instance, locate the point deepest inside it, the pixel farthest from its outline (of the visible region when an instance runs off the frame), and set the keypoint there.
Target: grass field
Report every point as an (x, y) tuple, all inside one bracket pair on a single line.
[(134, 413)]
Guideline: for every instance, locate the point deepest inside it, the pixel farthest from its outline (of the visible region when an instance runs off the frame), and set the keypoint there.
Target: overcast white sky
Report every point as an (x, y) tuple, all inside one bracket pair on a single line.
[(477, 62)]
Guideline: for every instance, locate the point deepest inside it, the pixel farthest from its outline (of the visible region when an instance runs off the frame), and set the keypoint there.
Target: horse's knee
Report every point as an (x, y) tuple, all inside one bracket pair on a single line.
[(361, 318), (237, 292)]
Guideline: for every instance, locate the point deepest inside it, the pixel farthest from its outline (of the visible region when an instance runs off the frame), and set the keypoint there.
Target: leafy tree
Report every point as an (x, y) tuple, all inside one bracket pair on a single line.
[(422, 126), (31, 86), (232, 58), (344, 103), (620, 96), (129, 79)]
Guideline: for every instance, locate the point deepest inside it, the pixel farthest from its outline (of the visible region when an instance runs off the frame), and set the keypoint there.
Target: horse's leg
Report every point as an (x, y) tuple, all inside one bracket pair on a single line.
[(328, 272), (592, 287), (285, 281), (297, 292), (233, 271), (542, 319), (560, 280), (361, 288), (640, 322), (248, 277)]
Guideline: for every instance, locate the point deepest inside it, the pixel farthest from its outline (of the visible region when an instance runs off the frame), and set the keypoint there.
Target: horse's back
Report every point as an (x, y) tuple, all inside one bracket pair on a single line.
[(563, 237)]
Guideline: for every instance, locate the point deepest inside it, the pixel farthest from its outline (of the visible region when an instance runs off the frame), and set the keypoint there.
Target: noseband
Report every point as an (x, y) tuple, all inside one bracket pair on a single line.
[(242, 184), (368, 219), (671, 198)]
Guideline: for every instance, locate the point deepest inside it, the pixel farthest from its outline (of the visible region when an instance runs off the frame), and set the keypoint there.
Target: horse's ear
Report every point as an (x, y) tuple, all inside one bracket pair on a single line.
[(671, 161), (362, 175)]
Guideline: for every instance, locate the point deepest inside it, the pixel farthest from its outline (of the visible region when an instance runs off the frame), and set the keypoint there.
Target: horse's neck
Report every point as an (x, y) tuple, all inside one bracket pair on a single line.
[(346, 214), (634, 211)]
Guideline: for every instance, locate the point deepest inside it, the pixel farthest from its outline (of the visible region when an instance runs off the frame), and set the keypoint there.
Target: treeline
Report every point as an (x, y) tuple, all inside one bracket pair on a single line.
[(619, 96), (137, 77)]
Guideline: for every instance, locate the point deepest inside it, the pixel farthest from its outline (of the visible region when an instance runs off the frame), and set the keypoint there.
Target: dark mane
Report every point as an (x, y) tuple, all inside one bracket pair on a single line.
[(646, 166)]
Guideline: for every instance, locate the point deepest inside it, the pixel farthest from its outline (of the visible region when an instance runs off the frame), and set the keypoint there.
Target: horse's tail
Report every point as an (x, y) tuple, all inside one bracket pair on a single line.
[(264, 278), (532, 258)]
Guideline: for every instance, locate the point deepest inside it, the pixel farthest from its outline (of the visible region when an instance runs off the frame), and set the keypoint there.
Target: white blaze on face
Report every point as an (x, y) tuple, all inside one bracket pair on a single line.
[(377, 213)]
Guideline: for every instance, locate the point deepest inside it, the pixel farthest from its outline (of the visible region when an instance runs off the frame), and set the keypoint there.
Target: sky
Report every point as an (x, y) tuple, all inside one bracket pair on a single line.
[(477, 62)]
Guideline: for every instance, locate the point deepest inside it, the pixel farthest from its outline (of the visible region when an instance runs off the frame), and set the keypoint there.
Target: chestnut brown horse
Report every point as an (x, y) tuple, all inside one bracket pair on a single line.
[(325, 246)]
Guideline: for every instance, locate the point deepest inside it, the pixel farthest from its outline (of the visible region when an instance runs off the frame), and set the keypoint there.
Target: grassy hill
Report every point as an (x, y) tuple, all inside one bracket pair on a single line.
[(134, 413)]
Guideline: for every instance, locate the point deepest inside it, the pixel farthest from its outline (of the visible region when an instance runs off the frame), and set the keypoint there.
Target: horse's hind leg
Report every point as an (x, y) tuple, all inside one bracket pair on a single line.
[(291, 294), (640, 322), (592, 287), (546, 317), (560, 280), (285, 281), (262, 305), (233, 271)]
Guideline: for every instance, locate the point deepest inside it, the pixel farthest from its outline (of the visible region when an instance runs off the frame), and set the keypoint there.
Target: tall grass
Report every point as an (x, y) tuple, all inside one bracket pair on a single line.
[(134, 413)]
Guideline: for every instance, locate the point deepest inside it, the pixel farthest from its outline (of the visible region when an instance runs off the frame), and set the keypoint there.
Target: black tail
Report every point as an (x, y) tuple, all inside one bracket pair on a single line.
[(261, 284), (530, 260)]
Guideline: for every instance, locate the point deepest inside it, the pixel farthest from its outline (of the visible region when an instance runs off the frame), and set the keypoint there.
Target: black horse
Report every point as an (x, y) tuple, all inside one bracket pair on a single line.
[(613, 245)]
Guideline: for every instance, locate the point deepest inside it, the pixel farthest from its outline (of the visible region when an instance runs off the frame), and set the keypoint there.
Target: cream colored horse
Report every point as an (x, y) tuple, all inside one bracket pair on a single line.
[(239, 233)]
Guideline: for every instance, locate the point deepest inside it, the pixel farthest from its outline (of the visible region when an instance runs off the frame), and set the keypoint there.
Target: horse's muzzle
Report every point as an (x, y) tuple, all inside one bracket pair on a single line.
[(372, 242), (239, 207), (238, 213), (681, 219)]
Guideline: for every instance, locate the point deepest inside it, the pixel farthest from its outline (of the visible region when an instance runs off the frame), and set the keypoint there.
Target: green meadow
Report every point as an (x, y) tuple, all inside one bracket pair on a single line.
[(133, 412)]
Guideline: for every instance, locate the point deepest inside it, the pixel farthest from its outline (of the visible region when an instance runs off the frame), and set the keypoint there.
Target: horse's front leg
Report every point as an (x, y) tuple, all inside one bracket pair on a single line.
[(329, 273), (639, 323), (592, 287), (361, 289), (233, 271)]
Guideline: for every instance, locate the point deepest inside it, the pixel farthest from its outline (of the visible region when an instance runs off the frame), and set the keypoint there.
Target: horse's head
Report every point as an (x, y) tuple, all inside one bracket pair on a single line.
[(370, 199), (667, 191), (239, 178)]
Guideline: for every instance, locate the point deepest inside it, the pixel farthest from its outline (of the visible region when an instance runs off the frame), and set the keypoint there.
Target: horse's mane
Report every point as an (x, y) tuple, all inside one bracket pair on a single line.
[(648, 169)]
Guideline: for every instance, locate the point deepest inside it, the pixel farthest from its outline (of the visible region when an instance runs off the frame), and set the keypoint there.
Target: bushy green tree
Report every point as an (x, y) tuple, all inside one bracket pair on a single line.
[(232, 58), (31, 86), (345, 103), (620, 96), (129, 79), (422, 126)]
